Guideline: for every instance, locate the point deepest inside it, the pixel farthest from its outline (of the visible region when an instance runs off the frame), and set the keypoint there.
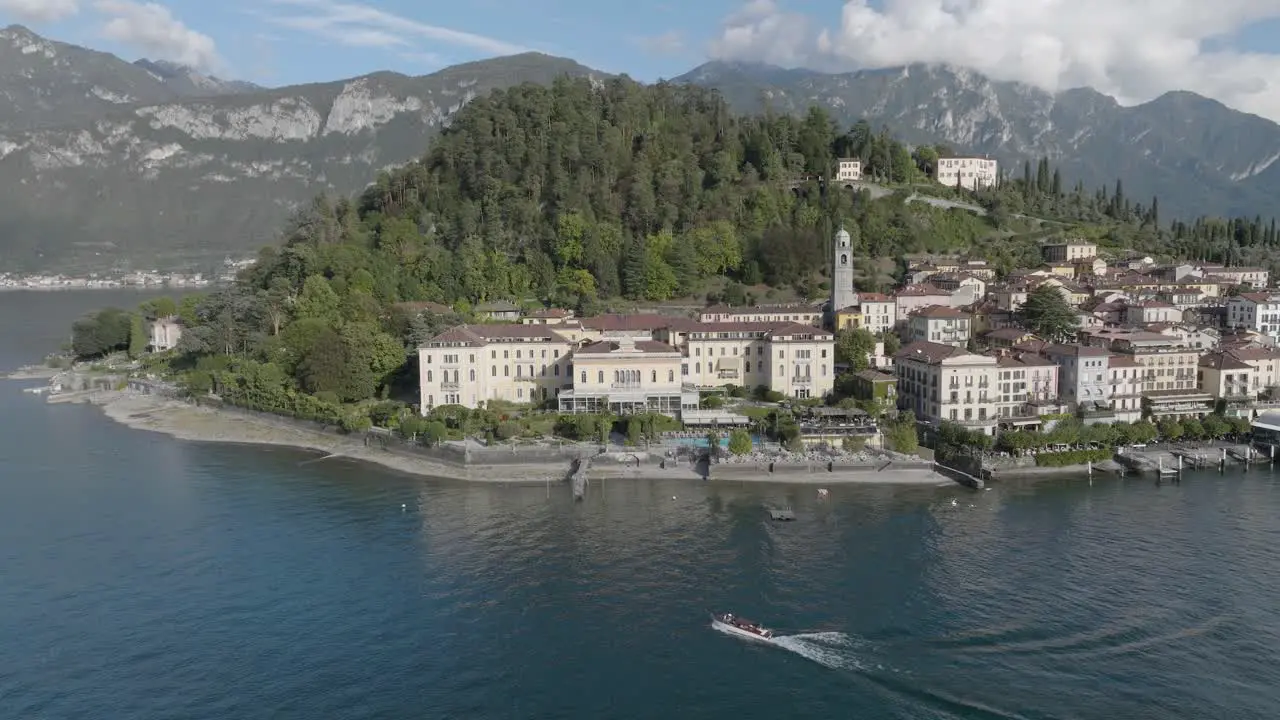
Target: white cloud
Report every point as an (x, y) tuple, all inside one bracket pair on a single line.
[(668, 43), (365, 26), (40, 10), (1131, 49), (155, 32)]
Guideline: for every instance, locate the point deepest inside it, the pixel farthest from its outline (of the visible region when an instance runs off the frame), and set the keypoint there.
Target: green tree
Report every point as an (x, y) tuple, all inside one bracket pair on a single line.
[(1170, 429), (139, 338), (1047, 314), (855, 347), (318, 301), (740, 442)]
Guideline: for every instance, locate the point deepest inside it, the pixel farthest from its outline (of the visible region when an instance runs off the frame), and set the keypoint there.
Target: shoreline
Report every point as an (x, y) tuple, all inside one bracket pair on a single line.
[(185, 421)]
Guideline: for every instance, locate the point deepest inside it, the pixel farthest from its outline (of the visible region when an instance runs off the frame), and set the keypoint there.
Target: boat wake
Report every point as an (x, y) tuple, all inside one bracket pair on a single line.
[(829, 649)]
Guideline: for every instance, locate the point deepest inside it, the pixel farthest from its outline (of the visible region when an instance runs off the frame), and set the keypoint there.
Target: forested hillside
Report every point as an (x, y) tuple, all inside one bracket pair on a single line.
[(584, 192)]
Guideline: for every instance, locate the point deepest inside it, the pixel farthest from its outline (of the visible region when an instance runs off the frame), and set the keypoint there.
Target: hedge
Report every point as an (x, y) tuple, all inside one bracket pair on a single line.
[(1072, 457)]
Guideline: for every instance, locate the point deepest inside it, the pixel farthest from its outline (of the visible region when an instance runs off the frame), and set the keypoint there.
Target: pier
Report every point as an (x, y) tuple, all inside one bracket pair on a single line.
[(578, 477)]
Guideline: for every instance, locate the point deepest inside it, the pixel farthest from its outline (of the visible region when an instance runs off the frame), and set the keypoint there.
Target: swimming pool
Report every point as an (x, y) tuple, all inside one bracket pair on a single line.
[(702, 441)]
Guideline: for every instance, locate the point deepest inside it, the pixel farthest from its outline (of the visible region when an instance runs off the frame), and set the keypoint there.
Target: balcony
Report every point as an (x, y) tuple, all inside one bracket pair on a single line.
[(802, 380), (450, 385), (626, 386)]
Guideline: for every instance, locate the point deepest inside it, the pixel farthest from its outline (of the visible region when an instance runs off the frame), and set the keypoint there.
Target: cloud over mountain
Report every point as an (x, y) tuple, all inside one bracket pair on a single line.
[(153, 30), (1134, 50), (40, 10)]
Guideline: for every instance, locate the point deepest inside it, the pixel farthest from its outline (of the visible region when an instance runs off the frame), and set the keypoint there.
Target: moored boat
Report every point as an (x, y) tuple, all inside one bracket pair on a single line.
[(734, 625)]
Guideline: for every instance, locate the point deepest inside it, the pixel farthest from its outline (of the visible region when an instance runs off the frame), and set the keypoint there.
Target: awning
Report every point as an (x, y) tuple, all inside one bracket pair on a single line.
[(726, 363)]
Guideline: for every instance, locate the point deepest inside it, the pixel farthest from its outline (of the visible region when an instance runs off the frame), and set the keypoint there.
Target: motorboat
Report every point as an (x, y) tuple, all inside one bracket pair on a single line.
[(734, 625)]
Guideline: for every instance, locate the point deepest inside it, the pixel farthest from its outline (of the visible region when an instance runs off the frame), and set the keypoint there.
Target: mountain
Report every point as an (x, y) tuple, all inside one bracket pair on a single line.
[(189, 82), (175, 181), (1197, 155), (45, 82)]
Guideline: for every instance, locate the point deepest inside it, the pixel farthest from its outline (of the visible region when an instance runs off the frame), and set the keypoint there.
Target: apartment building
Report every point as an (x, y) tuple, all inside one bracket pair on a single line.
[(1164, 363), (1069, 252), (473, 364), (940, 324), (942, 383), (1027, 388), (793, 359), (1227, 378), (914, 297), (848, 170), (1265, 363), (1126, 388), (1083, 375), (626, 376), (1259, 312), (1253, 277), (803, 314), (879, 313), (1151, 311), (969, 173)]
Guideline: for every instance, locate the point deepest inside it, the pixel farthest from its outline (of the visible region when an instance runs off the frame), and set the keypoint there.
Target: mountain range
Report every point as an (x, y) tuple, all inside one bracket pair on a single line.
[(104, 162)]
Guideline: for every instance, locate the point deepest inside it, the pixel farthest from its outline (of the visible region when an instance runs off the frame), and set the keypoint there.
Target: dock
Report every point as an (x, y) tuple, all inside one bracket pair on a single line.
[(578, 477)]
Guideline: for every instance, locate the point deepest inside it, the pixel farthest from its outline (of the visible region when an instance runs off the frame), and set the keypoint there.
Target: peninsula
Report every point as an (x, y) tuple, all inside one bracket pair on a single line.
[(752, 292)]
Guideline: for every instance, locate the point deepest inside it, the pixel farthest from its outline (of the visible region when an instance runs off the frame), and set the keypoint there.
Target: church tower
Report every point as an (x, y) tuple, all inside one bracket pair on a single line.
[(842, 293)]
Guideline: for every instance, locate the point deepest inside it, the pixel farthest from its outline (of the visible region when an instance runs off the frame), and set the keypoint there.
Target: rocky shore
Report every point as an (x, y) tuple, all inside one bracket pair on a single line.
[(201, 424)]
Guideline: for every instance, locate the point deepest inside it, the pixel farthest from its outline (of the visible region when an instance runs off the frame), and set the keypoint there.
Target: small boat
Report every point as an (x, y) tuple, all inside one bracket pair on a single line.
[(734, 625)]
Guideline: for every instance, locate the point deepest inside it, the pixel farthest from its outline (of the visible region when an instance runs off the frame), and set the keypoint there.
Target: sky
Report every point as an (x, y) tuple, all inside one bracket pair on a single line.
[(1134, 50)]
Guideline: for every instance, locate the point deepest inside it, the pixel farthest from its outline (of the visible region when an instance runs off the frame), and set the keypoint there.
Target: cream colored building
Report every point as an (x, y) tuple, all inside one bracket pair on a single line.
[(627, 376), (1069, 252), (879, 313), (1126, 388), (938, 324), (848, 170), (804, 314), (473, 364), (1162, 365), (970, 173), (1228, 378), (793, 359), (165, 333), (1265, 363), (941, 383)]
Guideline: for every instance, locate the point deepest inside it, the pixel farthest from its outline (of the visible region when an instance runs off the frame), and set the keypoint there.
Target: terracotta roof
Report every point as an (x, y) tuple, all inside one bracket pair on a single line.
[(1254, 353), (1033, 345), (929, 352), (940, 311), (482, 334), (644, 346), (920, 291), (1124, 361), (876, 376), (550, 313), (630, 323), (873, 297), (1223, 361), (1076, 351), (1010, 333)]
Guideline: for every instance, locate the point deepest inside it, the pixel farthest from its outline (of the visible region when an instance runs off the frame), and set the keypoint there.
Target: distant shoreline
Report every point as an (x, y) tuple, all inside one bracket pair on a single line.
[(203, 424)]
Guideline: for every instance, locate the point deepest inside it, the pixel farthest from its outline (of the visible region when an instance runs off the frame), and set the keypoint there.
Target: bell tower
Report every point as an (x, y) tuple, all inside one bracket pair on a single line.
[(842, 293)]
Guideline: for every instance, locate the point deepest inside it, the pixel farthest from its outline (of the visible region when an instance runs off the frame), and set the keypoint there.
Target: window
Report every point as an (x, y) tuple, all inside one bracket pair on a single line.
[(506, 371), (471, 358), (671, 376), (600, 377), (493, 354), (655, 376), (557, 370), (684, 368), (473, 374), (697, 368), (495, 371), (506, 354), (584, 376), (520, 393), (824, 353), (517, 354), (428, 373), (747, 366)]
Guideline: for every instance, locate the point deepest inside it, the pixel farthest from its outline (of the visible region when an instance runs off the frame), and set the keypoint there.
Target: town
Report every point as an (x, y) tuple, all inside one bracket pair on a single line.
[(149, 279)]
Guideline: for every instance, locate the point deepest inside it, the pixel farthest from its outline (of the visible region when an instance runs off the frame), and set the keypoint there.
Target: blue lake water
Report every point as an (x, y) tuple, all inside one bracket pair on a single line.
[(143, 577)]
